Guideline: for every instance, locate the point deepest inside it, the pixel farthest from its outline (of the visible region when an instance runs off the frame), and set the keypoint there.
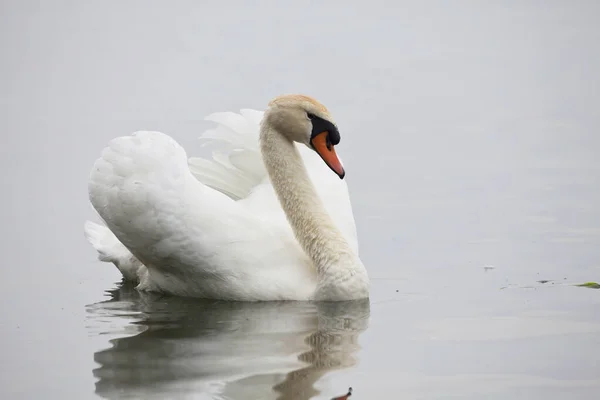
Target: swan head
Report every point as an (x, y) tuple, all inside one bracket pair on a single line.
[(304, 120)]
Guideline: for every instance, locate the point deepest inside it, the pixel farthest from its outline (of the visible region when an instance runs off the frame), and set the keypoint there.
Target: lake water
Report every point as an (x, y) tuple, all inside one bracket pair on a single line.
[(470, 136)]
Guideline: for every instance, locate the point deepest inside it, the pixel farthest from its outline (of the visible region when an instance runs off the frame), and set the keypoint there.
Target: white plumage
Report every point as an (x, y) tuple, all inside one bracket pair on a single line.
[(211, 228)]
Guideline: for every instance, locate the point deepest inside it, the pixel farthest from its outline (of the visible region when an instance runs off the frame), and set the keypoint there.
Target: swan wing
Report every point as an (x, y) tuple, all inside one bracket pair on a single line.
[(193, 239), (237, 168)]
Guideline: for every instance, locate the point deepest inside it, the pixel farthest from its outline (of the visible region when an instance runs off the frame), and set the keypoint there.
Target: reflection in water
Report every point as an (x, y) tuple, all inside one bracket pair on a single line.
[(228, 350)]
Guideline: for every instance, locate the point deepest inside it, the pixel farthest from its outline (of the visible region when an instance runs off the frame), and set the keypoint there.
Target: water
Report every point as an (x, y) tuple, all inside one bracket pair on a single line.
[(237, 350), (469, 133)]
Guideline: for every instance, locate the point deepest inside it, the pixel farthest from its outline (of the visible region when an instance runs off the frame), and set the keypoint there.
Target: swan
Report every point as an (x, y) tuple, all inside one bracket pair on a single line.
[(269, 219)]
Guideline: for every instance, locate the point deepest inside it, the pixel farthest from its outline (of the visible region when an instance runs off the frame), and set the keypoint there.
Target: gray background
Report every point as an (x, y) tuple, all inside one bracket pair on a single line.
[(470, 136)]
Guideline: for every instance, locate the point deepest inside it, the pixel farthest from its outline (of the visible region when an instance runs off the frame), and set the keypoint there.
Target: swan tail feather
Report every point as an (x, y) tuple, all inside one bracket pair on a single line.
[(238, 170), (111, 250)]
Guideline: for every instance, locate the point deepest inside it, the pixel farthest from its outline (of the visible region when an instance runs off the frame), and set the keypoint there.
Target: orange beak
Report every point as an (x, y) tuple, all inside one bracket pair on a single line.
[(327, 152)]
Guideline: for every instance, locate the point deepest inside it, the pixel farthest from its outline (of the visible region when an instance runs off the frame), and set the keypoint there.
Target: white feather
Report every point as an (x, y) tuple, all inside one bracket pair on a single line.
[(209, 228), (111, 250)]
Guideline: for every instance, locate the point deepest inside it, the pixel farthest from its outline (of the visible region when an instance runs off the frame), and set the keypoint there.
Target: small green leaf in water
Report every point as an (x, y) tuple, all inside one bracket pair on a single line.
[(591, 285)]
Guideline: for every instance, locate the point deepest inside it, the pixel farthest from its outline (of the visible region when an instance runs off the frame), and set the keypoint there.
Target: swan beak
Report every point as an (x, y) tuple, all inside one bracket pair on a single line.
[(326, 150)]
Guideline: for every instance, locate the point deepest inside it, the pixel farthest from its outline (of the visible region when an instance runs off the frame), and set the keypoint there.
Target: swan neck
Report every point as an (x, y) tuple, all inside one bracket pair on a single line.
[(313, 227)]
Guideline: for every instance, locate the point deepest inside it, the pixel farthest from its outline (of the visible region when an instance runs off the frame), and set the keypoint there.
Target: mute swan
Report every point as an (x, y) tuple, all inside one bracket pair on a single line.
[(266, 221)]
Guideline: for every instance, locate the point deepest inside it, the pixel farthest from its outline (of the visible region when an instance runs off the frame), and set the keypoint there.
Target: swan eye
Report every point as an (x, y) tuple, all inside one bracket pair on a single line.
[(310, 115)]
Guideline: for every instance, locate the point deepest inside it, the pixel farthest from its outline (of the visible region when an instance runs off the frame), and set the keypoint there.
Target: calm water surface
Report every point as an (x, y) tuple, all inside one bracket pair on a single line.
[(470, 136)]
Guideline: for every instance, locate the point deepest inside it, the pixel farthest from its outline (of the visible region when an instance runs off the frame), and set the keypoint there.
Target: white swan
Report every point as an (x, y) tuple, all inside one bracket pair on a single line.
[(218, 228)]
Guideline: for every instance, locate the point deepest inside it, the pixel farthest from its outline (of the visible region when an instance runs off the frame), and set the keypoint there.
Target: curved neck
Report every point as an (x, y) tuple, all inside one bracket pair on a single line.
[(313, 227)]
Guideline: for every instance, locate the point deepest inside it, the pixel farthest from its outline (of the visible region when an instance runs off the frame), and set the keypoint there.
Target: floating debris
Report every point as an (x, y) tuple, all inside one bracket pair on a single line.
[(591, 285), (344, 397)]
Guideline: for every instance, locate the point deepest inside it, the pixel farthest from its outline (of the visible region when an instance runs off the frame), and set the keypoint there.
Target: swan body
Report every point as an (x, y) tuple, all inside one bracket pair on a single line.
[(267, 219)]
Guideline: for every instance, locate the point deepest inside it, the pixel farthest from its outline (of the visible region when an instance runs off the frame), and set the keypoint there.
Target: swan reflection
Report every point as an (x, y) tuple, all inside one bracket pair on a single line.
[(233, 350)]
